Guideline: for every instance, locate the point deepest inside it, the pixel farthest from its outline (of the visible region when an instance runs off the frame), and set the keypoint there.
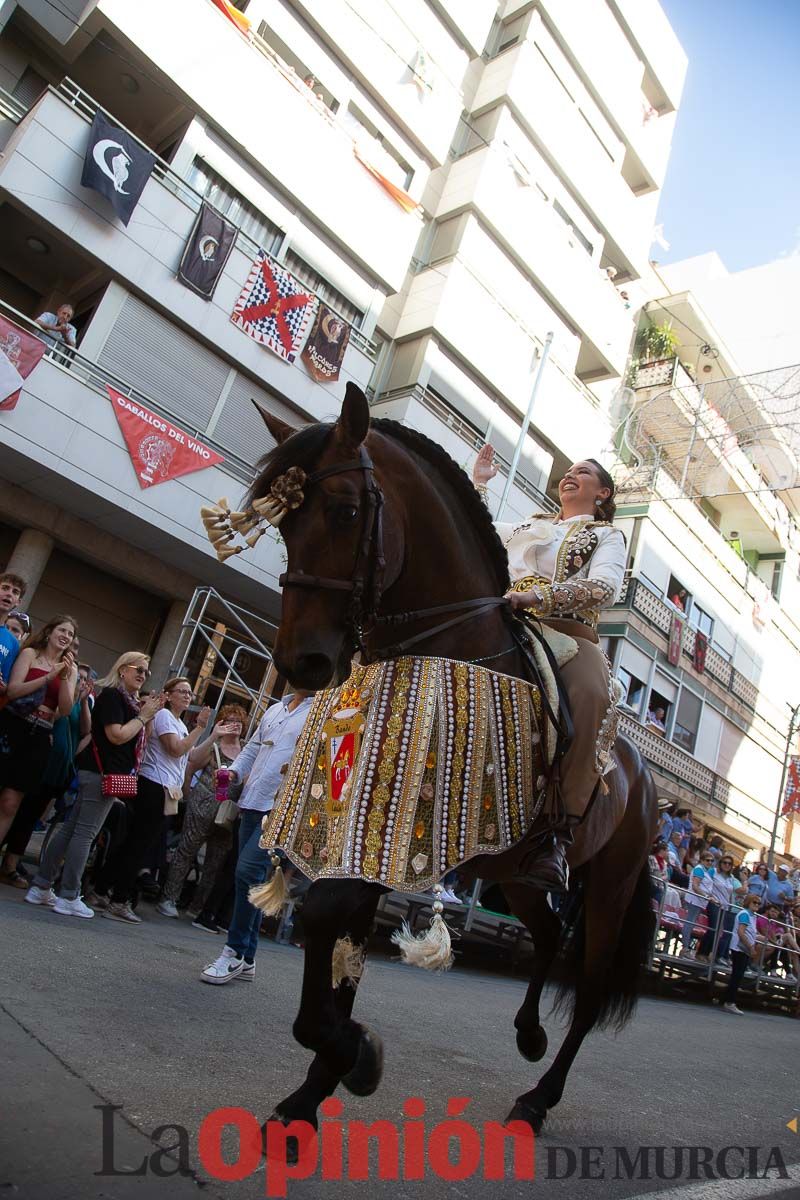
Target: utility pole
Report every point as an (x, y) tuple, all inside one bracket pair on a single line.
[(794, 725), (523, 433)]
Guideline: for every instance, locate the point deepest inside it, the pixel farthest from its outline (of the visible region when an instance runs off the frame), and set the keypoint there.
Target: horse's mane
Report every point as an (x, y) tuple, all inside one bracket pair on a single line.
[(303, 448)]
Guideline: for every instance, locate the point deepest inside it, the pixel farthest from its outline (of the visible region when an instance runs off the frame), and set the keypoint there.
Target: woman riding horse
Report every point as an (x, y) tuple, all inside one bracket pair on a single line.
[(564, 569)]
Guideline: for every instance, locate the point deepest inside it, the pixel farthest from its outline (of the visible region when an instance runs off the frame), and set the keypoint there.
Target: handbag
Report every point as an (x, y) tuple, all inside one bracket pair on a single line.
[(227, 810), (123, 787), (172, 798)]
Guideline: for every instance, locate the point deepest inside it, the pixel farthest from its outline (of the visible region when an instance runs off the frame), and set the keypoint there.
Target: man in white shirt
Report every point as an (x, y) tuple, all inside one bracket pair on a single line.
[(260, 769), (59, 333)]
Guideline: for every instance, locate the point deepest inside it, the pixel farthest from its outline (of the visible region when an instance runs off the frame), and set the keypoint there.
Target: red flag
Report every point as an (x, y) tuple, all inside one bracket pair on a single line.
[(675, 640), (22, 350), (159, 450), (233, 14), (791, 799), (398, 195), (700, 651)]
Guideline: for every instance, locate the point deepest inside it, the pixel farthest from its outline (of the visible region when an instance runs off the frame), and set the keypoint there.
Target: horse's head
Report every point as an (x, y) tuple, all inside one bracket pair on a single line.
[(335, 539)]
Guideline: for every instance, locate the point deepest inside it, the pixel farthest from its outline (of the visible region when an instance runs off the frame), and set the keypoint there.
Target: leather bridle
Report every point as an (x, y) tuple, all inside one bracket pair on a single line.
[(367, 581)]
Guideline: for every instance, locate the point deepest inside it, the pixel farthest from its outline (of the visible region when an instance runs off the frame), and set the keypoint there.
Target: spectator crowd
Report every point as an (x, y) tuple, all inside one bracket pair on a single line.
[(117, 767), (747, 917)]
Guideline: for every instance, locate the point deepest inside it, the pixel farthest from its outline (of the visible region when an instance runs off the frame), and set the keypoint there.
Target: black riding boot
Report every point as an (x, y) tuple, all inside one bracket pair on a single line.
[(544, 863)]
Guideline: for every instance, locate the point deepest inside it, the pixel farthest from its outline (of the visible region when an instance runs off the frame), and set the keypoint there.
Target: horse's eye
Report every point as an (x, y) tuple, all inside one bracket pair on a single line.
[(346, 514)]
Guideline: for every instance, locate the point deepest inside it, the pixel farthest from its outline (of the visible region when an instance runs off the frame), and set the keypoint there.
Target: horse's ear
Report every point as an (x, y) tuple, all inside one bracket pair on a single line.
[(278, 428), (353, 424)]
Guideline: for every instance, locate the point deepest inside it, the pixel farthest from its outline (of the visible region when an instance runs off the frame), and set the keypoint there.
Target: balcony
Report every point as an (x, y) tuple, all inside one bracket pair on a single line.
[(41, 171), (277, 124), (676, 765), (533, 234), (63, 443), (463, 311), (422, 409), (639, 598), (382, 48), (523, 78)]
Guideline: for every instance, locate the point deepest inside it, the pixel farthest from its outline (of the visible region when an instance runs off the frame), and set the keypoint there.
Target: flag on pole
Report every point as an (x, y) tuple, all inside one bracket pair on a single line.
[(274, 309), (159, 450), (323, 353), (791, 798), (20, 352), (116, 165), (207, 250)]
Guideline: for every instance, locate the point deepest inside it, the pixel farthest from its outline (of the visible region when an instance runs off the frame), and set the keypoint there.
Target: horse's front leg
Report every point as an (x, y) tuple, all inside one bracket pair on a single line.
[(337, 919), (530, 906)]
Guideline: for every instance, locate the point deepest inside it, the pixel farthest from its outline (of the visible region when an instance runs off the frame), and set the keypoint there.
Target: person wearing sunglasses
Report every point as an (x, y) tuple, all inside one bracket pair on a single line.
[(720, 907), (700, 882), (119, 721)]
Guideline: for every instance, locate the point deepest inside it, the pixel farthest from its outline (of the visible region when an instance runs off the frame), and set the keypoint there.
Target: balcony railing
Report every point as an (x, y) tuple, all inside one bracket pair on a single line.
[(676, 763), (470, 436), (642, 600), (660, 373), (83, 103), (76, 366)]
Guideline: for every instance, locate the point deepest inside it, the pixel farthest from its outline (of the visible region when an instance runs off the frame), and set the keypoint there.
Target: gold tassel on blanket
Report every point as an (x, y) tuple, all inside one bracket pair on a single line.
[(270, 897), (431, 950)]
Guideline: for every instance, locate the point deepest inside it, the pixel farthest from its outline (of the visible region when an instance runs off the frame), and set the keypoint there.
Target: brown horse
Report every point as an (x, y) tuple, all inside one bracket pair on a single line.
[(390, 525)]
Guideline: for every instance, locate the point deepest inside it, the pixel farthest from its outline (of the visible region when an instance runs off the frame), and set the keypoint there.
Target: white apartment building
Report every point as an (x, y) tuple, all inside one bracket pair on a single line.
[(533, 137), (714, 540)]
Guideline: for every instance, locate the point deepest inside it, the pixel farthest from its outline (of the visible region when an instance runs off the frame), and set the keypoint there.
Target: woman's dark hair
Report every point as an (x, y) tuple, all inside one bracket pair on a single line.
[(605, 508)]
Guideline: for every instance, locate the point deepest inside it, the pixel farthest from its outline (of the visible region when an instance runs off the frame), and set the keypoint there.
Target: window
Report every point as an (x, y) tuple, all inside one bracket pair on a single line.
[(687, 721), (702, 620), (678, 595), (634, 688), (658, 713), (233, 205), (777, 575), (326, 292), (567, 219)]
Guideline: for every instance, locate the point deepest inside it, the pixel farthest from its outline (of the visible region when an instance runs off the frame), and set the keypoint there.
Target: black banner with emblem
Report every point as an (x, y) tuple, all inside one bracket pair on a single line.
[(116, 165), (207, 250), (324, 351)]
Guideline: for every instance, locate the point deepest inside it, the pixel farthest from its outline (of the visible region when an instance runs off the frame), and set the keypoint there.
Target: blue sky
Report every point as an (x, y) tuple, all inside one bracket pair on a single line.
[(733, 181)]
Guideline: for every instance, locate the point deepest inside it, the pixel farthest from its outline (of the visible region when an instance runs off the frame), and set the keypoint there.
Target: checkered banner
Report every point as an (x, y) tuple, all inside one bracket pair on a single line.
[(791, 797), (273, 308)]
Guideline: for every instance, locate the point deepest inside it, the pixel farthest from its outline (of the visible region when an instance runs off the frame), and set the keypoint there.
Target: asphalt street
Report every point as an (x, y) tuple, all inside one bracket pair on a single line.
[(95, 1013)]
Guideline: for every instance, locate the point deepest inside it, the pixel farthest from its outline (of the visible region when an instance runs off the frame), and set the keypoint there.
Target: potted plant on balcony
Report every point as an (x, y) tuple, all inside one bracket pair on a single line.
[(656, 342)]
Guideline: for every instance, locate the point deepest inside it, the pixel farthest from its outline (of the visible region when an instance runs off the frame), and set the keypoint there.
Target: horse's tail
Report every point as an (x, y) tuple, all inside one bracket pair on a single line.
[(620, 984)]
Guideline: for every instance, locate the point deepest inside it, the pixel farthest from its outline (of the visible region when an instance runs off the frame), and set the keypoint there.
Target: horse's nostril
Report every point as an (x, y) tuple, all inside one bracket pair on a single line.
[(312, 671)]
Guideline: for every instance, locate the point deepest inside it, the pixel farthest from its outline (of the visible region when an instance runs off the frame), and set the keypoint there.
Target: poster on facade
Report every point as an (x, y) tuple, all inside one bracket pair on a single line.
[(274, 309), (159, 450), (323, 353), (207, 250), (675, 640), (791, 798), (116, 165), (20, 352), (700, 651)]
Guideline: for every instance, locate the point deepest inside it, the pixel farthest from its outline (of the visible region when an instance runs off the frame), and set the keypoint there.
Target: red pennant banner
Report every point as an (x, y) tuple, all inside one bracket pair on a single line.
[(159, 450), (675, 640), (21, 353)]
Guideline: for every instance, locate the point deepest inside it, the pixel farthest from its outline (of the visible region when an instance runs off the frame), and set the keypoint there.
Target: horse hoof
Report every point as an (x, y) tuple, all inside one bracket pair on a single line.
[(532, 1043), (289, 1146), (365, 1075), (528, 1114)]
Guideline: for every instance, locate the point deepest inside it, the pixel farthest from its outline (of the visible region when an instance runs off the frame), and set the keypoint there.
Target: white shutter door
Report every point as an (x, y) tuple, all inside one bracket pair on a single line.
[(240, 428), (164, 363)]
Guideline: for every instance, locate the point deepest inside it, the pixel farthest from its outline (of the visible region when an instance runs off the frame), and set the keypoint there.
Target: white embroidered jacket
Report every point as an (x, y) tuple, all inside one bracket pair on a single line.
[(576, 566)]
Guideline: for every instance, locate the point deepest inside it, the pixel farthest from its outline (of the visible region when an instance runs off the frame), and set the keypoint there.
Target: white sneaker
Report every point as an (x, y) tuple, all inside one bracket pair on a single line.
[(37, 895), (449, 896), (167, 908), (731, 1008), (226, 967), (72, 908), (122, 912), (248, 973)]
